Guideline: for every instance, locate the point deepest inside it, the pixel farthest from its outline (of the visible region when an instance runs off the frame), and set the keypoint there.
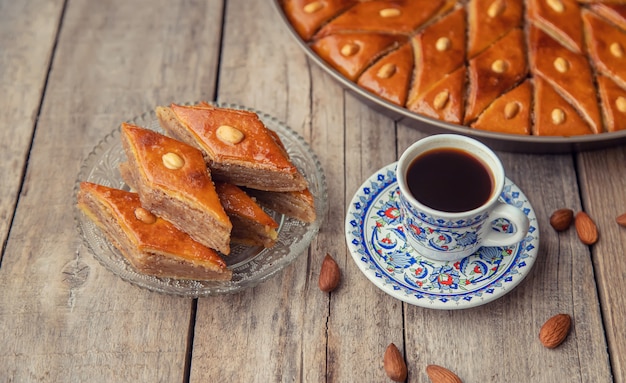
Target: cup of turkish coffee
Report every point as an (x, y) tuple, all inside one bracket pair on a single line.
[(449, 197)]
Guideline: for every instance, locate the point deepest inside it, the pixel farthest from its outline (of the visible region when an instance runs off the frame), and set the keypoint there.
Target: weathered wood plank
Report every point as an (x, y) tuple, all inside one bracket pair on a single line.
[(603, 183), (276, 331), (27, 32), (499, 341), (364, 320), (62, 315)]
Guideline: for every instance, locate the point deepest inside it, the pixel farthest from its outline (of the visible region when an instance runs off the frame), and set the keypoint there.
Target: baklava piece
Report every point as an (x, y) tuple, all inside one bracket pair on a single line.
[(299, 205), (554, 116), (560, 19), (444, 101), (489, 20), (607, 47), (438, 50), (509, 113), (390, 17), (173, 182), (307, 16), (252, 226), (390, 76), (568, 72), (615, 13), (613, 104), (152, 245), (351, 53), (495, 71), (237, 146)]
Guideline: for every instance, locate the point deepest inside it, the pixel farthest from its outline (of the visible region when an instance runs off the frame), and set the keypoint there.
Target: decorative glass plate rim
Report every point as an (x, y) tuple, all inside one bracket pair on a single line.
[(501, 141), (245, 274), (357, 216)]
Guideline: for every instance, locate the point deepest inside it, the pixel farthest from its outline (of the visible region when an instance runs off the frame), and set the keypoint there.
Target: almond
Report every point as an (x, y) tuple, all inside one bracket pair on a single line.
[(496, 8), (511, 110), (330, 275), (438, 374), (172, 161), (145, 216), (387, 70), (390, 12), (443, 44), (229, 135), (499, 66), (586, 228), (621, 220), (394, 364), (313, 7), (562, 219), (556, 5), (349, 49), (555, 330), (620, 103), (558, 116), (616, 50)]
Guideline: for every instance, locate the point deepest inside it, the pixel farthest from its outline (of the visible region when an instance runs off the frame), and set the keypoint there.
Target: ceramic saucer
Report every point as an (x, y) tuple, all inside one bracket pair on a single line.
[(376, 240)]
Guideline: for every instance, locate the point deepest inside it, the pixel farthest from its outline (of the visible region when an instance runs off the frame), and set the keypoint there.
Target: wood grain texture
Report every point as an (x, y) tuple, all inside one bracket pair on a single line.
[(493, 335), (27, 31), (64, 317), (276, 331), (363, 319), (603, 183)]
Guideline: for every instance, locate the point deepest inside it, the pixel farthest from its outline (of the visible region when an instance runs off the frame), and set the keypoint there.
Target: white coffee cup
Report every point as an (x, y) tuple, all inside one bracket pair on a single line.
[(452, 235)]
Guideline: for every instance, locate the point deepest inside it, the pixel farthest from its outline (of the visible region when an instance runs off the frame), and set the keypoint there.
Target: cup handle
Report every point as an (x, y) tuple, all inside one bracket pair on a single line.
[(513, 215)]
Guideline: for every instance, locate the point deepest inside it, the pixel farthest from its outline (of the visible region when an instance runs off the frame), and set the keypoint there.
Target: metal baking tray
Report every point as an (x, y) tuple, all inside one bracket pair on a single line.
[(498, 141)]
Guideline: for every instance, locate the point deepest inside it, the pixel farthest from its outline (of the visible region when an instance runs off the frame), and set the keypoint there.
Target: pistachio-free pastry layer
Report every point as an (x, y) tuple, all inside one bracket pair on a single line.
[(299, 205), (173, 182), (464, 61), (251, 224), (151, 244), (237, 146)]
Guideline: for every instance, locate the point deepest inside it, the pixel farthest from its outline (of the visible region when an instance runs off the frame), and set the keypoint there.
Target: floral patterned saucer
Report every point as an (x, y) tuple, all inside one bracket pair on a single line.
[(377, 242)]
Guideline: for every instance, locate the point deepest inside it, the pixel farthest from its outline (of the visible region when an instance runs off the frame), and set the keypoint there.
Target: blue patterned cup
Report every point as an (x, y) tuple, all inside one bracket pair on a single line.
[(452, 235)]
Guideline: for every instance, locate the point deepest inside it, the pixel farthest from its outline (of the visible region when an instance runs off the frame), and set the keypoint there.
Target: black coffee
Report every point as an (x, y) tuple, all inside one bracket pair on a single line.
[(449, 180)]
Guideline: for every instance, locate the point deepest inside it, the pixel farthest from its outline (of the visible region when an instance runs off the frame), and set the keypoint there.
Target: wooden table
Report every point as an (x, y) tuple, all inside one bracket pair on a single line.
[(72, 71)]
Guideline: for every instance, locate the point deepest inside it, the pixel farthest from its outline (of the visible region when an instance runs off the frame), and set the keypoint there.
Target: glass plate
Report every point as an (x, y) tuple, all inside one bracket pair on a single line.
[(250, 265)]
